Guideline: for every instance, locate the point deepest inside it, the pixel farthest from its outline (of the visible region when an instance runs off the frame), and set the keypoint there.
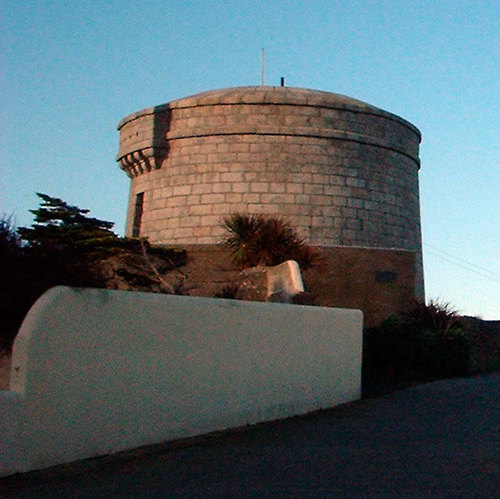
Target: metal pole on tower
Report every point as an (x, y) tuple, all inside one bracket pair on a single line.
[(263, 68)]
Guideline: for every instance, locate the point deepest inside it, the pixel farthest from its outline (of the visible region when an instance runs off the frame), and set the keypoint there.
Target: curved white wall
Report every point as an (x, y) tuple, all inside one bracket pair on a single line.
[(98, 371)]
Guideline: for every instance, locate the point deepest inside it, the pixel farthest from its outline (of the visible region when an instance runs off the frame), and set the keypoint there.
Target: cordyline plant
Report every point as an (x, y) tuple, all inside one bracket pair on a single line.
[(437, 317), (265, 240)]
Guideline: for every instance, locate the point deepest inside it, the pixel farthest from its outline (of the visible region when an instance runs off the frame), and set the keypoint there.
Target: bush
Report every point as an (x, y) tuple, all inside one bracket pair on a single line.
[(14, 299), (429, 342), (66, 247), (28, 269), (229, 291), (437, 317), (260, 240), (10, 242)]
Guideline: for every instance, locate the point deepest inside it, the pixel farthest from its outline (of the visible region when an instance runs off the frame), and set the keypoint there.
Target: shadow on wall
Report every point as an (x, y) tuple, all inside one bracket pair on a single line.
[(159, 150), (161, 127)]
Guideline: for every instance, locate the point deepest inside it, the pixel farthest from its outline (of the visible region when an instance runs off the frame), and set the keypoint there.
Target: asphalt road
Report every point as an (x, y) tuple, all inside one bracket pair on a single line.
[(435, 440)]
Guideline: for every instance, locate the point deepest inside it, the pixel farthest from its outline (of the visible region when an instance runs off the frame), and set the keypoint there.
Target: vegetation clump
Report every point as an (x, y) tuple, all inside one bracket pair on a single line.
[(230, 291), (265, 240), (64, 246), (428, 342)]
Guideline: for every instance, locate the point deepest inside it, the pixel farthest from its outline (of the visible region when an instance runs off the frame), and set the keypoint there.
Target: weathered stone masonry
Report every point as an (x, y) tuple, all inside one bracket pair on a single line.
[(343, 172)]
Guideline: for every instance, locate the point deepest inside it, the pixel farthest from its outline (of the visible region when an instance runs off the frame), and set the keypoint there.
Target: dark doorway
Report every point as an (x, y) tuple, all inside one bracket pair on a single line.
[(139, 208)]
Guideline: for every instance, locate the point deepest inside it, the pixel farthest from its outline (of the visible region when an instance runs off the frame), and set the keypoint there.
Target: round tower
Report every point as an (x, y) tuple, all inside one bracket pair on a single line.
[(342, 172)]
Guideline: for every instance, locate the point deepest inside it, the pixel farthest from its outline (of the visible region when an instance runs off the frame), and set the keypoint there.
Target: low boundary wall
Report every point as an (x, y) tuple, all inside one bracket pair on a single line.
[(97, 371)]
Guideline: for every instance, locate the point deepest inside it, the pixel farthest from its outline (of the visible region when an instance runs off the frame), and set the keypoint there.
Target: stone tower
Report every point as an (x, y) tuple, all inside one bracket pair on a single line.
[(342, 172)]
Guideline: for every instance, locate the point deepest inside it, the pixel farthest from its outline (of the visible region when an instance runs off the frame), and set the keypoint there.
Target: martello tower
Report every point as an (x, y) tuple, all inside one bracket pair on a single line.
[(342, 172)]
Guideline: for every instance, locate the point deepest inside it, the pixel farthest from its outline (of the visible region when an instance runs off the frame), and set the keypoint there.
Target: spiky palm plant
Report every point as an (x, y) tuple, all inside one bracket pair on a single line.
[(437, 317), (265, 240)]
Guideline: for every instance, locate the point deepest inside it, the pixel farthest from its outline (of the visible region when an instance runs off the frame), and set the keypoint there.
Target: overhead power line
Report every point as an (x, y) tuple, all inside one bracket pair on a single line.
[(466, 265)]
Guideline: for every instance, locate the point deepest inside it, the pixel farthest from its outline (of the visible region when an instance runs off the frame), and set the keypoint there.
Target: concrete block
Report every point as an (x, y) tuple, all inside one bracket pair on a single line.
[(177, 201), (250, 197), (220, 209), (232, 177), (319, 200), (210, 220), (180, 190), (199, 209), (212, 198), (201, 188), (303, 199), (322, 221), (284, 280), (295, 188), (241, 187), (222, 188), (233, 198), (277, 198), (259, 187), (314, 189), (277, 187)]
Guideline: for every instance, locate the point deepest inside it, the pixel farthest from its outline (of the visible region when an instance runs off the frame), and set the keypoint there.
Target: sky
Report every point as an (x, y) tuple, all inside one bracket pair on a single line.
[(72, 69)]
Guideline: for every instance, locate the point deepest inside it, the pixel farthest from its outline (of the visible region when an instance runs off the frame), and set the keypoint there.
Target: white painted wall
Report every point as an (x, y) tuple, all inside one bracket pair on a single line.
[(98, 371)]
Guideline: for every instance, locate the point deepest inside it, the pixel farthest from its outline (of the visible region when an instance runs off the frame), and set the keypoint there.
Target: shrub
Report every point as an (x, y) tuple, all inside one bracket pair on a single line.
[(260, 240), (64, 246), (440, 318), (14, 298), (429, 342), (391, 347), (10, 242), (229, 291)]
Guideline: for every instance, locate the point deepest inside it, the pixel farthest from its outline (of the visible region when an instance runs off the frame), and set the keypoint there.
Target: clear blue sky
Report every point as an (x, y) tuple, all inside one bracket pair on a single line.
[(71, 69)]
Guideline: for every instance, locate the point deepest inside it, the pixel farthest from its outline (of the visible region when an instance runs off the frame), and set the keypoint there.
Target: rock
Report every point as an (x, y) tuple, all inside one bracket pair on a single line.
[(252, 284), (284, 281), (279, 298)]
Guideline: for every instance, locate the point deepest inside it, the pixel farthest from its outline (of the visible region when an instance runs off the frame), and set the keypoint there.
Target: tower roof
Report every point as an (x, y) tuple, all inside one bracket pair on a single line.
[(271, 95)]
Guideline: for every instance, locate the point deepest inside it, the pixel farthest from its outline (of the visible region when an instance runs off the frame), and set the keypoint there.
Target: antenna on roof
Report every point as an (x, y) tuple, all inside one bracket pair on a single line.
[(263, 68)]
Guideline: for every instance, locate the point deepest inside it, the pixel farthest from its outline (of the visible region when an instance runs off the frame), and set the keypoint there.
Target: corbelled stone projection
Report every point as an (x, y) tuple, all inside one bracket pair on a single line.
[(342, 172)]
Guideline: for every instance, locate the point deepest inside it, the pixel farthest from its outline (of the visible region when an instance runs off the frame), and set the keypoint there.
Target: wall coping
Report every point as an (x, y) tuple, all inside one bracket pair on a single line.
[(285, 96)]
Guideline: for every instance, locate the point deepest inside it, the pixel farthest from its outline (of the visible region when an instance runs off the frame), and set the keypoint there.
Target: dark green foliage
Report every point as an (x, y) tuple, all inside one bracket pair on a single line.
[(304, 298), (229, 291), (437, 317), (63, 243), (484, 336), (261, 240), (429, 342), (10, 242), (36, 259), (61, 226), (173, 257), (66, 247), (13, 299)]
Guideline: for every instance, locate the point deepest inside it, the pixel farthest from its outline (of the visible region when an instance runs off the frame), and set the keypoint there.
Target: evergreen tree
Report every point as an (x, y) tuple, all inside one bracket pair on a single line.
[(64, 246), (61, 226)]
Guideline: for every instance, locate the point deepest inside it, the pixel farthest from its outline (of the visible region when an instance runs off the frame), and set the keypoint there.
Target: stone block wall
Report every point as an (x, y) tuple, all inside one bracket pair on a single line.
[(378, 282), (343, 172)]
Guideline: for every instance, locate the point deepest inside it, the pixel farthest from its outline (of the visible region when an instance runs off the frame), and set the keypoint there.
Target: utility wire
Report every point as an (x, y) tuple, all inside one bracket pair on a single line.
[(490, 277), (482, 269)]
